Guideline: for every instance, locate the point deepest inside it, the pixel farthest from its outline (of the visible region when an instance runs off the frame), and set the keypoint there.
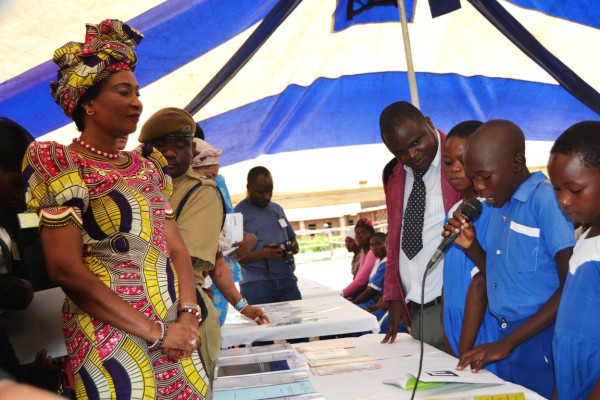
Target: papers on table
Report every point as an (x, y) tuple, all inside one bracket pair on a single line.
[(333, 358), (254, 350), (439, 371), (262, 372), (495, 396)]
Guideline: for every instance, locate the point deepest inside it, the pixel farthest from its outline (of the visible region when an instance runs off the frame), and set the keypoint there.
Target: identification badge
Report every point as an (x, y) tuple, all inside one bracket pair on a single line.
[(283, 223)]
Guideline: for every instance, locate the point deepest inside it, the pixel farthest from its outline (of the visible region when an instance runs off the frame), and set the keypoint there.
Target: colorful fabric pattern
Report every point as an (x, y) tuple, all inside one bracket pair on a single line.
[(121, 211), (108, 47)]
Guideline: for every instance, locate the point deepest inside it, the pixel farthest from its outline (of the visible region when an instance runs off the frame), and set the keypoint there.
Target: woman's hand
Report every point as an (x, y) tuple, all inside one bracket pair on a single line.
[(182, 338), (256, 314)]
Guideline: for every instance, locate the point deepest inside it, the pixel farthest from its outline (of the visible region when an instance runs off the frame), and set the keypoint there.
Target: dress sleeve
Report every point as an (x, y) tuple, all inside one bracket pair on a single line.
[(56, 190), (362, 277), (165, 183)]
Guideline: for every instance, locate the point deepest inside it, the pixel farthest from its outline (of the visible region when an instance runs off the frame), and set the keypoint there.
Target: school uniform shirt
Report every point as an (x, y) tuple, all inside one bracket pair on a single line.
[(576, 341), (523, 236), (458, 272), (378, 275)]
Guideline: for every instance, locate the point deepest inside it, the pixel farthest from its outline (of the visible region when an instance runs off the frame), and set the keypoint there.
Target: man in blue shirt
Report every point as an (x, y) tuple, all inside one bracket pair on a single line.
[(528, 245), (268, 270)]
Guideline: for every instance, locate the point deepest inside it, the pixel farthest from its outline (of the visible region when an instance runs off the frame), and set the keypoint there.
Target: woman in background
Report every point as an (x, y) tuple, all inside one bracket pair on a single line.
[(363, 231)]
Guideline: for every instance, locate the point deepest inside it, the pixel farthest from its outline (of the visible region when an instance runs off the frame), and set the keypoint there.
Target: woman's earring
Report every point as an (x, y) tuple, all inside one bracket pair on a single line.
[(89, 111)]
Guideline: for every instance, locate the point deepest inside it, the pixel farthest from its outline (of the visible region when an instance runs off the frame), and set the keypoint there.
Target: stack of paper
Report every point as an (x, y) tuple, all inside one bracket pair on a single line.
[(333, 358), (262, 372)]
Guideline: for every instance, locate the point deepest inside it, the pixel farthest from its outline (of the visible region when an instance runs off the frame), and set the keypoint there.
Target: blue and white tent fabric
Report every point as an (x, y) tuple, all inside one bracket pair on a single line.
[(319, 80)]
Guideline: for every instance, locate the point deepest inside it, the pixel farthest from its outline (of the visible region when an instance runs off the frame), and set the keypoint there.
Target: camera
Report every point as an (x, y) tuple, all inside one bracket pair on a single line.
[(288, 252)]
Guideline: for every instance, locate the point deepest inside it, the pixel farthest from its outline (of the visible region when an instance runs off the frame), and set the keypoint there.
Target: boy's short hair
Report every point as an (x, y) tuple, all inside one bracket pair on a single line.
[(380, 235), (464, 129), (583, 138), (397, 114), (14, 140)]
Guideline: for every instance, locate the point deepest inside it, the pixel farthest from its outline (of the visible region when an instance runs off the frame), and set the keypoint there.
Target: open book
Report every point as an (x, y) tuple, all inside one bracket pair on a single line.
[(430, 378)]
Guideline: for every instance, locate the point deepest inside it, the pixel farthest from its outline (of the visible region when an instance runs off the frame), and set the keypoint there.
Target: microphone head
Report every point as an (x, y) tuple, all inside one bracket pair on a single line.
[(471, 209)]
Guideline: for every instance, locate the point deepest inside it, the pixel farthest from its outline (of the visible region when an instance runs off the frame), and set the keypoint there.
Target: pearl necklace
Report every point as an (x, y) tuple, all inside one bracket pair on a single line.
[(110, 156)]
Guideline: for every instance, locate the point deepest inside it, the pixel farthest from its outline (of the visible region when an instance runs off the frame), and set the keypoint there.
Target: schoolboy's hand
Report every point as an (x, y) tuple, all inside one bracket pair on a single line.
[(459, 225), (482, 355)]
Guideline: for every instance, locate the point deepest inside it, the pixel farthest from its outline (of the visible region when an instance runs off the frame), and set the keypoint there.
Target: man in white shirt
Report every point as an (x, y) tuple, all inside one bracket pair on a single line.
[(418, 196)]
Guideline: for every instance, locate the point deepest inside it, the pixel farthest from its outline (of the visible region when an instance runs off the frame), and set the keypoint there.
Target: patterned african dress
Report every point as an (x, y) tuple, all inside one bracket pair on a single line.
[(121, 211)]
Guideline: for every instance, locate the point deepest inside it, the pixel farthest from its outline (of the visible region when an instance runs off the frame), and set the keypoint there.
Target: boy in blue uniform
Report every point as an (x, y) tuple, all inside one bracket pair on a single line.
[(574, 169), (459, 270), (528, 245)]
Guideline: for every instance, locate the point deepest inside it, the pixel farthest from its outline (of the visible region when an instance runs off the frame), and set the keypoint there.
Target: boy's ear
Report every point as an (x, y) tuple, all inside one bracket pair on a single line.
[(519, 161)]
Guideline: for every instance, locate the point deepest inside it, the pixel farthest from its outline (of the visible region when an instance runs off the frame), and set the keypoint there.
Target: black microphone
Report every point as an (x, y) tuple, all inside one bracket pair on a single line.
[(470, 209)]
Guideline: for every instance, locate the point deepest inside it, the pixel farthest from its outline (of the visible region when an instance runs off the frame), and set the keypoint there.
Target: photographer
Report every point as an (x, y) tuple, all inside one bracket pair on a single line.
[(268, 270)]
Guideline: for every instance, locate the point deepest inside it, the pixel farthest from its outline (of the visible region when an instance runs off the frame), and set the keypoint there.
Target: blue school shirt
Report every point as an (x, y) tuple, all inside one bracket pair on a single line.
[(378, 275), (522, 239), (458, 272), (576, 343)]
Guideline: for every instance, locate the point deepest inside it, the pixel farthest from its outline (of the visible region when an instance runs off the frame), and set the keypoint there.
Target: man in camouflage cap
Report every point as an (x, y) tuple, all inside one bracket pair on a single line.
[(199, 214)]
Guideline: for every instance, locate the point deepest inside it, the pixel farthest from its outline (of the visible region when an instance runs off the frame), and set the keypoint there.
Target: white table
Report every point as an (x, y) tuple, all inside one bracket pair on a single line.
[(310, 289), (367, 384), (318, 316)]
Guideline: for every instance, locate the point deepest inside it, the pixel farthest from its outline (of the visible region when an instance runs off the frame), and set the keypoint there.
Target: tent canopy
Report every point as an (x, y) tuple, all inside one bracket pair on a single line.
[(319, 80)]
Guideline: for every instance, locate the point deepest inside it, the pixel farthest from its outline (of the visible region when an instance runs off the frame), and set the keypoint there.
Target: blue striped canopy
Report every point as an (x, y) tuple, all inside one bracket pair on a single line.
[(273, 76)]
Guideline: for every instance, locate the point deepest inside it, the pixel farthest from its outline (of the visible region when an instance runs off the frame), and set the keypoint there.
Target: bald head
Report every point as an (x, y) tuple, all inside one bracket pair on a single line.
[(498, 136), (494, 158)]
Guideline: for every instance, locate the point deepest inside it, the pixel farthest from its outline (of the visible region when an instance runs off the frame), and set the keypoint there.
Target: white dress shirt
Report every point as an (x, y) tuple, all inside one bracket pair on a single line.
[(411, 271)]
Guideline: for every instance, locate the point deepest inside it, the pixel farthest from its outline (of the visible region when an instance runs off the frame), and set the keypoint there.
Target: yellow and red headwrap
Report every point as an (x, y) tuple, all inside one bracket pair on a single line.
[(108, 47)]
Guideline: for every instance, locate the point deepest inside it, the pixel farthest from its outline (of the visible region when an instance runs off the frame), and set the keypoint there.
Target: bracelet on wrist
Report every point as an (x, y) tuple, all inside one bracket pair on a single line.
[(193, 306), (241, 310), (196, 312), (240, 305), (158, 343)]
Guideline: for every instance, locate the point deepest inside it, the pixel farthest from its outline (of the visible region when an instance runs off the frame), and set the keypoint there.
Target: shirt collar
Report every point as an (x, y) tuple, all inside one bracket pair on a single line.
[(526, 189)]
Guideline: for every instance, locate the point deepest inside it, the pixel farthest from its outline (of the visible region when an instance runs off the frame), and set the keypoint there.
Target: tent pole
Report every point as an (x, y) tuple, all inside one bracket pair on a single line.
[(412, 80)]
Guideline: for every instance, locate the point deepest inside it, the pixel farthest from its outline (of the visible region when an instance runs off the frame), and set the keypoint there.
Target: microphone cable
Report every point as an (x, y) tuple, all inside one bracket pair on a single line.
[(430, 265), (470, 209)]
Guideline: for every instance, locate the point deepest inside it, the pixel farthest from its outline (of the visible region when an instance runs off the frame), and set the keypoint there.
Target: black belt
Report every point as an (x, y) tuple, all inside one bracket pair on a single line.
[(434, 302)]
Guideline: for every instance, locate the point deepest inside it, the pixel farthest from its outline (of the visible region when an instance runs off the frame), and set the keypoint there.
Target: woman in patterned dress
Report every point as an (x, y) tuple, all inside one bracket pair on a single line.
[(129, 319)]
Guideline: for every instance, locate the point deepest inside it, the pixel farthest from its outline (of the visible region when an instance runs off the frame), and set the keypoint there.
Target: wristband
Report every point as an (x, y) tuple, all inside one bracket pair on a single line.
[(161, 340), (240, 305)]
